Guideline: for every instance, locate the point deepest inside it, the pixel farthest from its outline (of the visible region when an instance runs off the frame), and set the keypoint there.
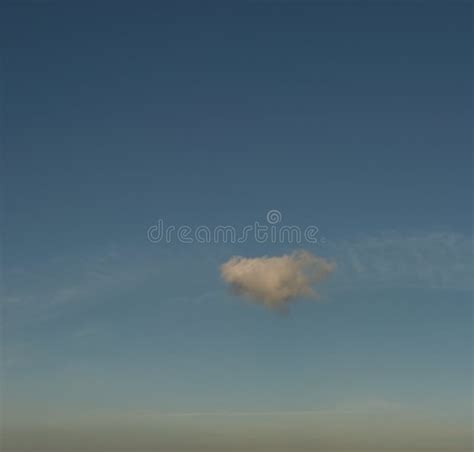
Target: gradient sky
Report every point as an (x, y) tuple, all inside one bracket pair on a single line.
[(352, 116)]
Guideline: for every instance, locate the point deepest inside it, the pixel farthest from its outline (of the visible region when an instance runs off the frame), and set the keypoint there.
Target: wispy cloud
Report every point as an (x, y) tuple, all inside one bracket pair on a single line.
[(369, 405), (431, 261), (423, 260), (40, 292)]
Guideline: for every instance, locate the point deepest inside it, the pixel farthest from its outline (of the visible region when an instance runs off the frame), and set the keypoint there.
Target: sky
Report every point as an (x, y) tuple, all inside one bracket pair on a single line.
[(353, 118)]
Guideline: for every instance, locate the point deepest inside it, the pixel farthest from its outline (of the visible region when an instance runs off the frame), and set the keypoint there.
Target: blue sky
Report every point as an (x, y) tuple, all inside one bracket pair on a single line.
[(355, 117)]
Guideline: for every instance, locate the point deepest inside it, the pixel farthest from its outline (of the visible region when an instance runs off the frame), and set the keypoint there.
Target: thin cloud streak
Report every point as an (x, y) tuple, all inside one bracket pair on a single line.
[(426, 261)]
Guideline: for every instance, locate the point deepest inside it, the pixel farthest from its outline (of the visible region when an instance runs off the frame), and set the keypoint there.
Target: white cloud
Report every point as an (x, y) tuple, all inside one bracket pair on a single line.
[(275, 281)]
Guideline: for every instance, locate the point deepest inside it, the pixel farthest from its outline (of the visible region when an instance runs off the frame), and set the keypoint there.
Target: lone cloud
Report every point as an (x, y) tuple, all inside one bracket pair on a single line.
[(276, 281)]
